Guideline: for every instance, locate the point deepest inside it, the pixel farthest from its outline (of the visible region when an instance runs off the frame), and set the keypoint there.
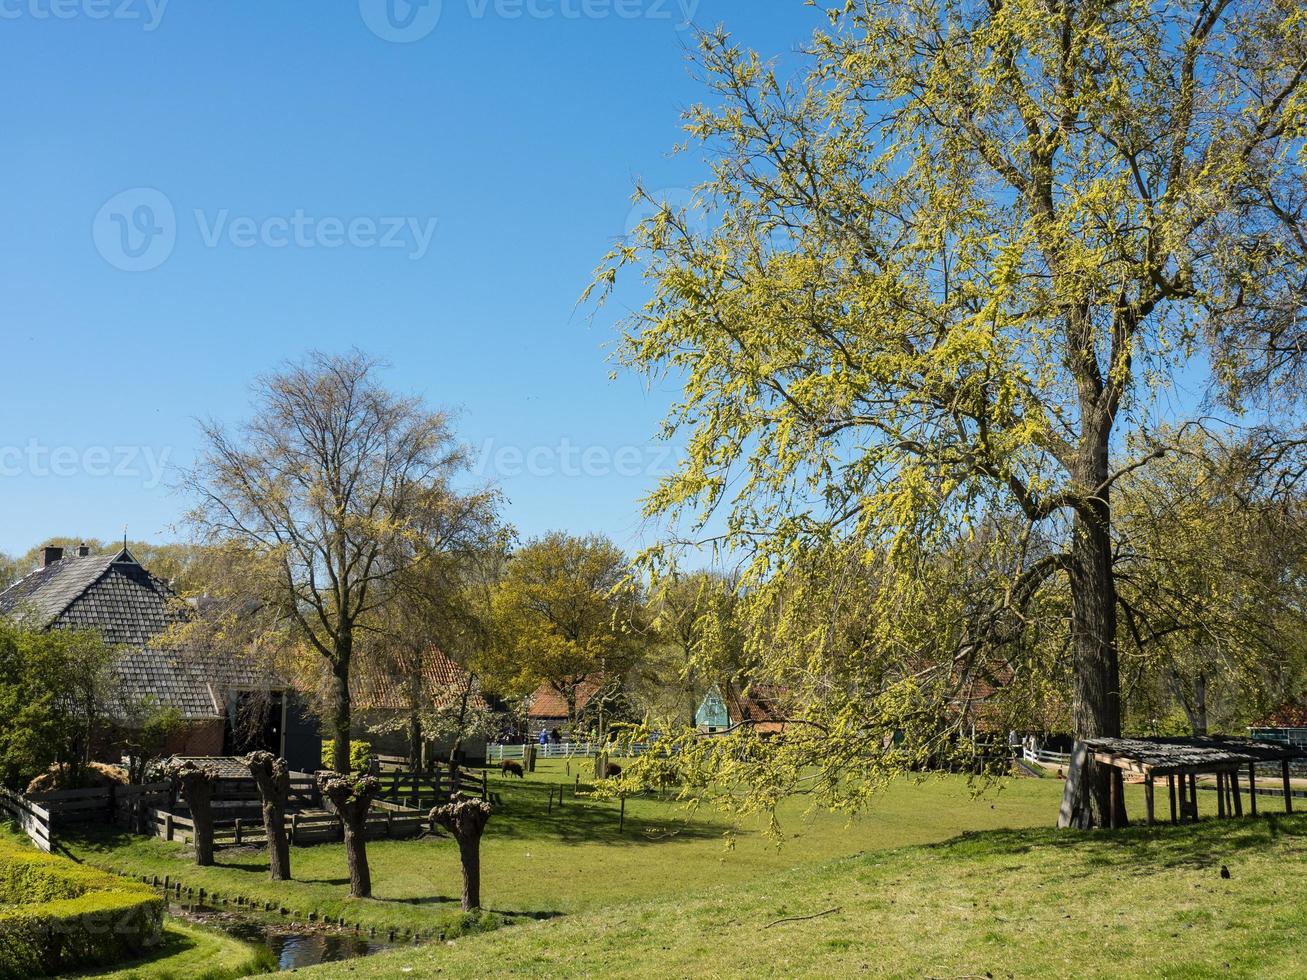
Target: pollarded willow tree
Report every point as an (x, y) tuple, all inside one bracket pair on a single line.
[(943, 276)]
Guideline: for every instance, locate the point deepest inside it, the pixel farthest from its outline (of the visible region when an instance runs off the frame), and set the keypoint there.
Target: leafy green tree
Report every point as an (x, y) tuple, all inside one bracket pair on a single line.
[(940, 279), (694, 616), (563, 615), (55, 689), (1210, 564)]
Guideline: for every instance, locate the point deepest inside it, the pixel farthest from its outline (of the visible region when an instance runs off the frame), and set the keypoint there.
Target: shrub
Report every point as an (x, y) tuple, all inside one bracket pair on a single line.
[(56, 916), (360, 755)]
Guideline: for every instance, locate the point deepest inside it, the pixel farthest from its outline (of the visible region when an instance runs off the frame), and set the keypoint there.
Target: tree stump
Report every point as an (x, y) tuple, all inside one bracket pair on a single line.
[(272, 777), (350, 798), (196, 785), (466, 820)]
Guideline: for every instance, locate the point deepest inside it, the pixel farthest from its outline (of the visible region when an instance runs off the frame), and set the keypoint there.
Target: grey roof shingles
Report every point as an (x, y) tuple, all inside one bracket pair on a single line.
[(132, 609)]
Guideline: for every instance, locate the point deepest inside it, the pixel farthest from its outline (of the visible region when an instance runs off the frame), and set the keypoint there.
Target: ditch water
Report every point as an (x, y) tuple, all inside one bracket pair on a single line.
[(290, 946)]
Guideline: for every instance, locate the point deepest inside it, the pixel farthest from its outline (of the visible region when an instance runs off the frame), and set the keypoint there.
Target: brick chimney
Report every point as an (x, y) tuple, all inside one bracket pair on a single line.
[(83, 550), (50, 555)]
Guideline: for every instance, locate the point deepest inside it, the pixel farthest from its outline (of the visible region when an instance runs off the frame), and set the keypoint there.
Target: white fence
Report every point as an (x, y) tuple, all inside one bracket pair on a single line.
[(565, 750), (1041, 757)]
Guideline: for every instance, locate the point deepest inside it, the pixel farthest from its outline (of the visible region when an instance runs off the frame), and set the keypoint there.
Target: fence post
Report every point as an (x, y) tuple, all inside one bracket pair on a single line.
[(167, 826), (239, 839)]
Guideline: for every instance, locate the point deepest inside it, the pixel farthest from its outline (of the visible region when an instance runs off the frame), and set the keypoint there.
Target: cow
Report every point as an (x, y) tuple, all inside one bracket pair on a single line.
[(509, 768)]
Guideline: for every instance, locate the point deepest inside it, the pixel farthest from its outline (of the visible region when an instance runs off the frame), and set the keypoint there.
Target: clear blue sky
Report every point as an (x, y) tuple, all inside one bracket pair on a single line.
[(519, 126)]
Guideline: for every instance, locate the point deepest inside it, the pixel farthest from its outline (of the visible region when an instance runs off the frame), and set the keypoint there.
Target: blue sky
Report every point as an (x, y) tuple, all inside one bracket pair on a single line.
[(432, 184)]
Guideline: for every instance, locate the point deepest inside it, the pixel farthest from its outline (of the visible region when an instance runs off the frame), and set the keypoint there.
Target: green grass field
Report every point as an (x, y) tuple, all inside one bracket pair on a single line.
[(668, 896), (1008, 903), (538, 864)]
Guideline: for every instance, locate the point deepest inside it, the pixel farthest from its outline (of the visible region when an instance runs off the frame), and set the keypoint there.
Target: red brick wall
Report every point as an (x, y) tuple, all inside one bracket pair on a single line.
[(199, 738)]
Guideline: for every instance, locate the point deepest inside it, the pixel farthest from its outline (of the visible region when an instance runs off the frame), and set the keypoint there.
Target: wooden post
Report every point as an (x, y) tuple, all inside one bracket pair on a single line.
[(167, 826), (1220, 794), (294, 828), (238, 832), (1170, 785), (551, 801), (1148, 797), (1252, 787), (1193, 795), (1288, 789), (621, 821), (1234, 788), (1115, 794)]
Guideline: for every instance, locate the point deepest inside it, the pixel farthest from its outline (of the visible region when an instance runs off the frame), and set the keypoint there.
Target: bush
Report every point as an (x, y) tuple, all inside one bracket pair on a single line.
[(56, 916), (360, 755)]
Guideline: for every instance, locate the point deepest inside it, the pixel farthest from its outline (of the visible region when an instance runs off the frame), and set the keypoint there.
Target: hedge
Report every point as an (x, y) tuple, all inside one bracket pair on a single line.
[(56, 916)]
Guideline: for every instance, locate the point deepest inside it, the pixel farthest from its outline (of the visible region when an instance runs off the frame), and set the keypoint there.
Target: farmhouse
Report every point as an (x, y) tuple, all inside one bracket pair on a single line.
[(227, 706), (727, 706), (388, 705), (547, 708)]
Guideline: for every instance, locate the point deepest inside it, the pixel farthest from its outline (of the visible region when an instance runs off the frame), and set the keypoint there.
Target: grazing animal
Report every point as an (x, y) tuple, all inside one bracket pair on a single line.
[(1225, 872), (614, 770), (508, 768)]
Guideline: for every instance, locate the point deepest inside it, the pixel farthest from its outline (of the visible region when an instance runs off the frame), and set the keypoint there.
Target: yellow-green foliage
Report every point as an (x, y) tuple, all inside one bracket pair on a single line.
[(360, 755), (56, 915)]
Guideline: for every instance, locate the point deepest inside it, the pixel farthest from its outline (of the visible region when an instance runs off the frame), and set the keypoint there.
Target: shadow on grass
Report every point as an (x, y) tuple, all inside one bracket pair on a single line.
[(1137, 850), (524, 813)]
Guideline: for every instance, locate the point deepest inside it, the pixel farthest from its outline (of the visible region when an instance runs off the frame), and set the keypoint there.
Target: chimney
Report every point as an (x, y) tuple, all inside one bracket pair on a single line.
[(50, 555), (83, 550)]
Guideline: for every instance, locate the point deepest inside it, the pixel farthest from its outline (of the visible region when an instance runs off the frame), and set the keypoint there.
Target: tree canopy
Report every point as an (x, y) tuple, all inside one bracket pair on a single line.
[(924, 318)]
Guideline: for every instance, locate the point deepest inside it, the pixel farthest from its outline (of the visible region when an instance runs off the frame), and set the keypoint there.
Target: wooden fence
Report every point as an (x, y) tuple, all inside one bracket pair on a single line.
[(302, 829), (32, 818), (424, 790)]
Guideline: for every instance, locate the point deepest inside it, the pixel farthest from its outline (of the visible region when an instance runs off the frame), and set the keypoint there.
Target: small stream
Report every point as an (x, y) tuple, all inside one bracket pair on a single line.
[(291, 946)]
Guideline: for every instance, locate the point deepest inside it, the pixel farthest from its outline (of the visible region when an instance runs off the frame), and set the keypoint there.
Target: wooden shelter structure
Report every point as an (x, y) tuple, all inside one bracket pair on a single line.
[(1181, 761)]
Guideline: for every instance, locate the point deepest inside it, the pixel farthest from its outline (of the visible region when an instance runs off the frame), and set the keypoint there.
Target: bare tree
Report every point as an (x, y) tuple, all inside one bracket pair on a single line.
[(272, 776), (317, 502), (466, 819), (196, 784), (350, 798)]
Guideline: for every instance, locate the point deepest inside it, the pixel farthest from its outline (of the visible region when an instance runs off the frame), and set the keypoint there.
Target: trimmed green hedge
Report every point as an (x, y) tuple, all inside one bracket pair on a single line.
[(360, 755), (56, 916)]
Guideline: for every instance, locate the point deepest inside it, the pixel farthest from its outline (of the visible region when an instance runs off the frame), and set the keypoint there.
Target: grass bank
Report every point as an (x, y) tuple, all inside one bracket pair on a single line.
[(1003, 903), (540, 862), (190, 953)]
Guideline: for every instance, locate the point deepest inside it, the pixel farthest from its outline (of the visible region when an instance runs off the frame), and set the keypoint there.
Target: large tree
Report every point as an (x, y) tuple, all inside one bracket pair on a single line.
[(316, 504), (562, 616), (942, 276)]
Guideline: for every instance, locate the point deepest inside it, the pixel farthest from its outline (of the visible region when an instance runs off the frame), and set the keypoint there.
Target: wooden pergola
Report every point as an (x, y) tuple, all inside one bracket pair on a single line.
[(1182, 760)]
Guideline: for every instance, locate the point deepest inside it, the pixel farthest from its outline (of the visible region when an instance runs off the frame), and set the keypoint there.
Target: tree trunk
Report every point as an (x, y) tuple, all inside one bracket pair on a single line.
[(272, 777), (356, 851), (469, 853), (202, 816), (466, 820), (1199, 719), (341, 722), (350, 798), (1096, 695), (414, 741)]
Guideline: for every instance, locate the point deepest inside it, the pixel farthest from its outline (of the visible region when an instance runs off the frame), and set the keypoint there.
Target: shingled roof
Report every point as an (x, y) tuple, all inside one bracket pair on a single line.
[(132, 609), (372, 688)]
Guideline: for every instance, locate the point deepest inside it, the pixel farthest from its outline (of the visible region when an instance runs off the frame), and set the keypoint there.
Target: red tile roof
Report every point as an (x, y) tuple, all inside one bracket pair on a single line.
[(548, 703), (443, 682), (1292, 714)]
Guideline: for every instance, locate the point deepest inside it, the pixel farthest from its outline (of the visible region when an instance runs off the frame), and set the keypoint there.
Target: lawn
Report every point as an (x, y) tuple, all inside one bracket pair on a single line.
[(1004, 903), (539, 864), (189, 953), (669, 894)]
